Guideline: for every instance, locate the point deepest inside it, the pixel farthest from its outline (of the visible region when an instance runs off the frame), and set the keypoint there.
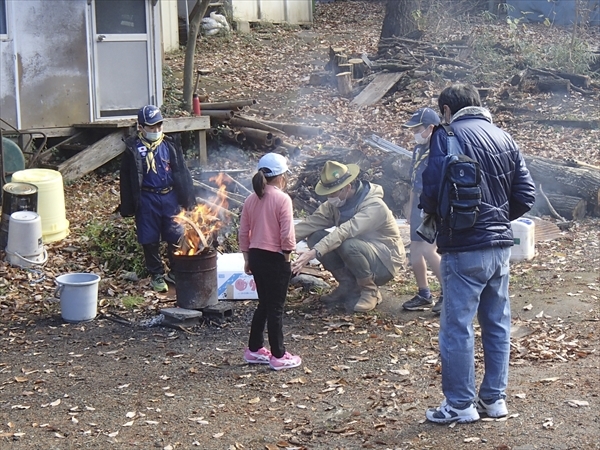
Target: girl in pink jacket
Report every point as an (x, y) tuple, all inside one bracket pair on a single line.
[(267, 239)]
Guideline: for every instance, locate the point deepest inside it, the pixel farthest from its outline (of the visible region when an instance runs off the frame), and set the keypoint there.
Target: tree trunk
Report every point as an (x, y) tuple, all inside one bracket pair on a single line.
[(190, 52), (399, 19)]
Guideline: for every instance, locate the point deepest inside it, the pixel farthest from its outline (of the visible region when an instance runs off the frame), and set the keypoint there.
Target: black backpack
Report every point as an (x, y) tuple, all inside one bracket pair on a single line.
[(459, 196)]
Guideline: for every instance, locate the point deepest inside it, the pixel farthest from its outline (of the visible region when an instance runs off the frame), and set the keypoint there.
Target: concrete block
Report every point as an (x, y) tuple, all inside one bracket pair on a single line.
[(242, 26), (221, 310), (180, 317)]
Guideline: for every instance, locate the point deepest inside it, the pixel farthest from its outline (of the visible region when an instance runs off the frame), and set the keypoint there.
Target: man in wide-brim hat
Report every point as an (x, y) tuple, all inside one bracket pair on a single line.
[(364, 250)]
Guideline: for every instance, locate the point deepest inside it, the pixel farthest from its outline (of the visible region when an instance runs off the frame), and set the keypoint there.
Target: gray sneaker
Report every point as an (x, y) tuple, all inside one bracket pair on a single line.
[(437, 308), (418, 303)]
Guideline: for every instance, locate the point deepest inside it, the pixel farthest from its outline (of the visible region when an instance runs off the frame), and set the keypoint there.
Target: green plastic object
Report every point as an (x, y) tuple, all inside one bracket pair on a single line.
[(13, 158)]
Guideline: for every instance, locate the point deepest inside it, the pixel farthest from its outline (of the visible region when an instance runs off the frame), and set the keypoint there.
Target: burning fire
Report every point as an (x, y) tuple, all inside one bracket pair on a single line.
[(201, 224)]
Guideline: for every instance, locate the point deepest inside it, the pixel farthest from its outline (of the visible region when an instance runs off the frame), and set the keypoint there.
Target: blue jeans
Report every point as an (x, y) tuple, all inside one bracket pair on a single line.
[(475, 282)]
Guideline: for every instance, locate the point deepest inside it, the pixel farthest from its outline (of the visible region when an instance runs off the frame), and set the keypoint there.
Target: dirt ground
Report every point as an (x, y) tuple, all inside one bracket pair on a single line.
[(366, 380)]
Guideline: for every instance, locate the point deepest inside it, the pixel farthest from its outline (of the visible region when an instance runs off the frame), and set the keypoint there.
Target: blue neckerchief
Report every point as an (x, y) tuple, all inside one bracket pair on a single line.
[(348, 209)]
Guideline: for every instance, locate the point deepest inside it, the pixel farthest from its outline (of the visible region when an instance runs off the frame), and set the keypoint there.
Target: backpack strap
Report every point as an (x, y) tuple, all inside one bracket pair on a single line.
[(452, 144)]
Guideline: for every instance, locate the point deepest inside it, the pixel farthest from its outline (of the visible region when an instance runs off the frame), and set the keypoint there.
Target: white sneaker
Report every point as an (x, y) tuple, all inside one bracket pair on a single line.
[(447, 414), (496, 409)]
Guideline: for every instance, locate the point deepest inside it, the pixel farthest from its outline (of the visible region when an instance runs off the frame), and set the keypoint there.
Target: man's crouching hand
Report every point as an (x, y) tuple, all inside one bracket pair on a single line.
[(302, 260)]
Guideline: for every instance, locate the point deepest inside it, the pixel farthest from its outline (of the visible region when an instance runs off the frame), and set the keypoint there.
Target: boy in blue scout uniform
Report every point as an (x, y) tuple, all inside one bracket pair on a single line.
[(155, 184)]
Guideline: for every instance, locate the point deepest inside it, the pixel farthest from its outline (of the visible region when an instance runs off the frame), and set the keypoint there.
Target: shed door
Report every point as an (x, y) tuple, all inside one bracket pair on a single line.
[(122, 57)]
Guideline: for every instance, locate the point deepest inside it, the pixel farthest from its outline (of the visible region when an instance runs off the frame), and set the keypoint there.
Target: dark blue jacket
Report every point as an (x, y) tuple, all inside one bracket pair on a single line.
[(132, 176), (507, 188)]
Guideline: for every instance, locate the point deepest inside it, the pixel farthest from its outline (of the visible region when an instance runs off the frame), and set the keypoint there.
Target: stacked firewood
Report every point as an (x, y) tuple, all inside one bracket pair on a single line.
[(230, 121)]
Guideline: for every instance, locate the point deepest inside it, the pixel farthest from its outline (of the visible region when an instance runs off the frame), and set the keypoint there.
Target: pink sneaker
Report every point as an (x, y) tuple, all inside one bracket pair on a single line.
[(261, 356), (287, 361)]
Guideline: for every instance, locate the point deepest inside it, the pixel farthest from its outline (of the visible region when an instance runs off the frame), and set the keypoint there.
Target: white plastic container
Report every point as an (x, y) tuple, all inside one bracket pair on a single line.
[(24, 247), (51, 201), (524, 238), (78, 293)]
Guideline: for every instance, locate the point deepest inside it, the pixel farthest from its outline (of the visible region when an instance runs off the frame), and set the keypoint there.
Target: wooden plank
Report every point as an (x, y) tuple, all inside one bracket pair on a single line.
[(48, 132), (200, 136), (112, 146), (94, 156), (382, 83), (170, 125), (176, 125)]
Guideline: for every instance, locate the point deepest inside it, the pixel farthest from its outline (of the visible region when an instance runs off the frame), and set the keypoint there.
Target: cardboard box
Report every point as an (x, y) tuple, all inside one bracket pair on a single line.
[(232, 282)]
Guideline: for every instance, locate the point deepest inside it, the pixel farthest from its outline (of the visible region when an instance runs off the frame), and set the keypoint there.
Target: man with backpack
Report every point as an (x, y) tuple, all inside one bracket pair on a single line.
[(475, 247)]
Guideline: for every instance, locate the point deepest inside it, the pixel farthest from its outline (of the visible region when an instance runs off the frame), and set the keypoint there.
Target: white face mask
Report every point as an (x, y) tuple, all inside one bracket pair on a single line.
[(336, 202), (420, 140), (153, 136)]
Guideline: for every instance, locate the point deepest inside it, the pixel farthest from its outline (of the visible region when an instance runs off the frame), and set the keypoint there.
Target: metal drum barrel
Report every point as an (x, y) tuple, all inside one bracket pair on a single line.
[(196, 278)]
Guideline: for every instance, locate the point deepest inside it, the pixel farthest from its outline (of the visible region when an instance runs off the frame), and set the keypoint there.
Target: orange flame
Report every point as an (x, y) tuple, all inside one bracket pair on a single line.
[(200, 225)]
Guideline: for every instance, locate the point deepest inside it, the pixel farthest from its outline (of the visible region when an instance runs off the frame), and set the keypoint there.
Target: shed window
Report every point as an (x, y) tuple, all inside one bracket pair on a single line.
[(120, 17), (3, 27)]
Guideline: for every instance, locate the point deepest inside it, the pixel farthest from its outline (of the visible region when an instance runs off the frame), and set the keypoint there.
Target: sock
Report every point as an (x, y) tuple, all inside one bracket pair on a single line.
[(425, 292)]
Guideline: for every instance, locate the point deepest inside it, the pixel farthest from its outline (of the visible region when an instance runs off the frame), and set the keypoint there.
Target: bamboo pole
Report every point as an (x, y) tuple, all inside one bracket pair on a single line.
[(237, 183), (218, 114), (294, 128), (229, 105)]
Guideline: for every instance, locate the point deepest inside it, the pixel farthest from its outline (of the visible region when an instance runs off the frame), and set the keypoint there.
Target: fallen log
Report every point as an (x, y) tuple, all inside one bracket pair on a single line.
[(553, 85), (584, 124), (569, 207), (558, 177), (393, 66)]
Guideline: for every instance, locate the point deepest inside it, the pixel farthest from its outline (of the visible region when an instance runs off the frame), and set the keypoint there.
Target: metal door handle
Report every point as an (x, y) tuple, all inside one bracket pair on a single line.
[(101, 37)]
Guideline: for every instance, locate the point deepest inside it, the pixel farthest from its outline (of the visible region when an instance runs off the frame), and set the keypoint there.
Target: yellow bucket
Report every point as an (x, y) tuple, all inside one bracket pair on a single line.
[(51, 201)]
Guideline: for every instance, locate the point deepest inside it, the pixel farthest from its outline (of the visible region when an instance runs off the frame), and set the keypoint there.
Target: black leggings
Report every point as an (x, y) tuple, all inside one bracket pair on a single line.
[(272, 277)]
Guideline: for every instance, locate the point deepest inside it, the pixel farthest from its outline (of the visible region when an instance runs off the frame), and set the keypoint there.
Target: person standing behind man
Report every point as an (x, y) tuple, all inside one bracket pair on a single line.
[(475, 261), (155, 183), (266, 238), (364, 250), (422, 123)]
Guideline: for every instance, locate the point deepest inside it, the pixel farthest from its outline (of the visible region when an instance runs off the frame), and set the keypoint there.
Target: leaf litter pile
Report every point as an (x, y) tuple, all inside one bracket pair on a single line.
[(366, 380)]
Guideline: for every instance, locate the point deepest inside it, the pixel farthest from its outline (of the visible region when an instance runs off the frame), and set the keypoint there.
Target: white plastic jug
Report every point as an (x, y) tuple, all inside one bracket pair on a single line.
[(524, 239), (25, 247), (78, 293)]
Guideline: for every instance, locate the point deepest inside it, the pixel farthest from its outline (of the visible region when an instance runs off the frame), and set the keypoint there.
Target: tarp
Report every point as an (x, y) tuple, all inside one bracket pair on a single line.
[(558, 12)]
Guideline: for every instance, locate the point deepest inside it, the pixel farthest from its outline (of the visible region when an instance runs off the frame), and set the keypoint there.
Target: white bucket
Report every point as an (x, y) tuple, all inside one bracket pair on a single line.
[(524, 239), (24, 247), (78, 293)]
